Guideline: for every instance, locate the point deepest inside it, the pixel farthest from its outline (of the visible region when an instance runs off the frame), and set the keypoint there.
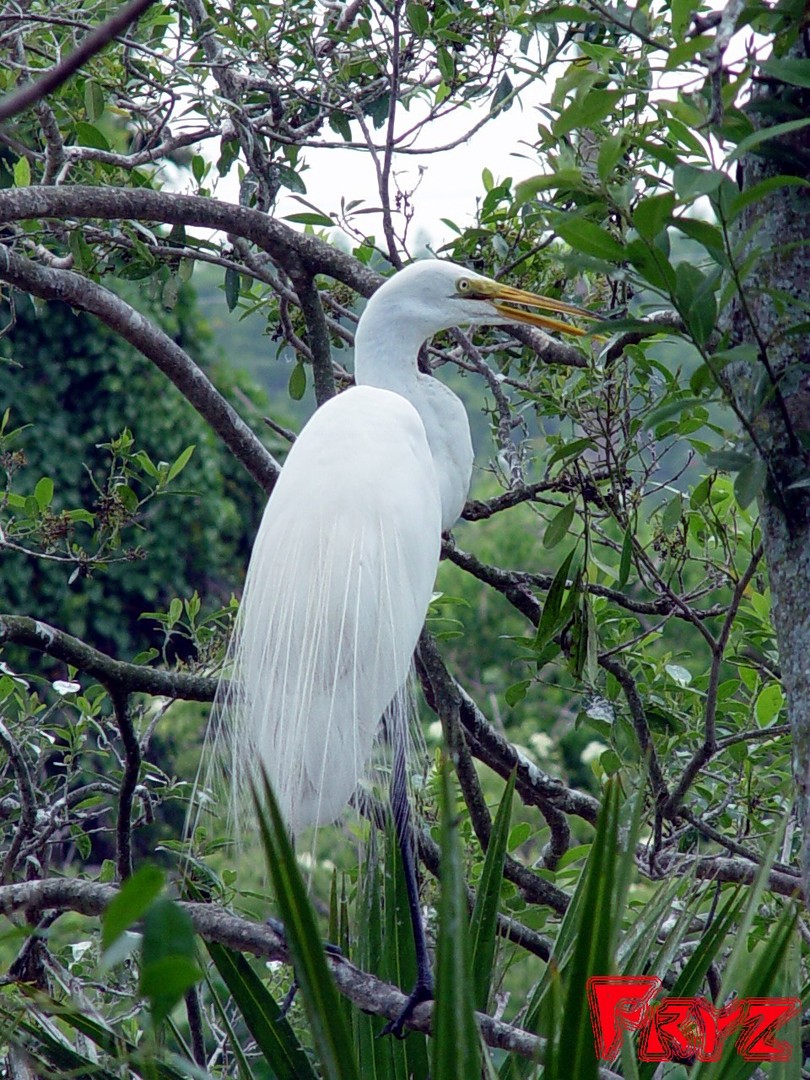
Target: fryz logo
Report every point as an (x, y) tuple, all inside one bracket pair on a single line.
[(678, 1028)]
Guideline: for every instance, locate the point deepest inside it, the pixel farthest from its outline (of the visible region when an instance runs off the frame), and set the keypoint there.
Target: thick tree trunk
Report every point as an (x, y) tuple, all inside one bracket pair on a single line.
[(773, 395)]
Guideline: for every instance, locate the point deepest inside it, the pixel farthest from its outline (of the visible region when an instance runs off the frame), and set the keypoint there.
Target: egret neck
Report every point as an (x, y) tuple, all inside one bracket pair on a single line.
[(387, 347)]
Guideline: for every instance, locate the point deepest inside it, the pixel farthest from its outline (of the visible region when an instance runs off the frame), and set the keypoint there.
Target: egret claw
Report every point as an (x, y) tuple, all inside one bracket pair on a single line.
[(421, 992)]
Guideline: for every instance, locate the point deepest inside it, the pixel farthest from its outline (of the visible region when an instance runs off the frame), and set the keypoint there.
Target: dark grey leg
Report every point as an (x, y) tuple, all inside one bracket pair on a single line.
[(401, 809)]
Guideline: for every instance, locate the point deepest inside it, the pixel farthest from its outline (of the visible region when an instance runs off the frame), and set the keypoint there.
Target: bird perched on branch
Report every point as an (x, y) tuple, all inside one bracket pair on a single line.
[(344, 562)]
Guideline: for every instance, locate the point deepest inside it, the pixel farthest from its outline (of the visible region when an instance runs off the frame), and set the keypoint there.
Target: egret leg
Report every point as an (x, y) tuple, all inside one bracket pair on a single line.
[(401, 809)]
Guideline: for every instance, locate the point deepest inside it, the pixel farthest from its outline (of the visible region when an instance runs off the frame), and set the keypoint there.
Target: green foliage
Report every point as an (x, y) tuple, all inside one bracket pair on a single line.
[(134, 516), (330, 1031), (456, 1052)]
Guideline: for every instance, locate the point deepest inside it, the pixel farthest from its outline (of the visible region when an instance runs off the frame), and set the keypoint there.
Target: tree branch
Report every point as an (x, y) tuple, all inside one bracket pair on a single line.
[(534, 787), (28, 805), (129, 781), (213, 924), (114, 674), (309, 300), (80, 292), (140, 204), (95, 41)]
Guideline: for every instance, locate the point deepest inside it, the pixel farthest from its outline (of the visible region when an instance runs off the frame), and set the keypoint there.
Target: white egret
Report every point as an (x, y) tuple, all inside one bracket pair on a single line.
[(344, 562)]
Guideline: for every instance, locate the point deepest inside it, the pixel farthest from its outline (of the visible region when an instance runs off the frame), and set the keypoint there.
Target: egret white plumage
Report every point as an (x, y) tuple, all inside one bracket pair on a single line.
[(344, 562)]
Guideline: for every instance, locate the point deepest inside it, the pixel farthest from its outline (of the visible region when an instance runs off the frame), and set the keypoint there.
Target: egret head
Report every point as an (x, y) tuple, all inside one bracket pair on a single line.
[(431, 295)]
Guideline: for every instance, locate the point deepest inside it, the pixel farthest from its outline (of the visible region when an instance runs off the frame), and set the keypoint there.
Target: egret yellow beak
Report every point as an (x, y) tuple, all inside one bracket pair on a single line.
[(503, 297)]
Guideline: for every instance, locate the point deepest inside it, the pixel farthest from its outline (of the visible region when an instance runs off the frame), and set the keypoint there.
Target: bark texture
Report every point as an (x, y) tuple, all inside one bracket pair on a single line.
[(773, 393)]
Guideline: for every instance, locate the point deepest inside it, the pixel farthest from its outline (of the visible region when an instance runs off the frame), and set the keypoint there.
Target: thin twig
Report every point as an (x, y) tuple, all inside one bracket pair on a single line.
[(28, 805), (95, 41), (129, 781)]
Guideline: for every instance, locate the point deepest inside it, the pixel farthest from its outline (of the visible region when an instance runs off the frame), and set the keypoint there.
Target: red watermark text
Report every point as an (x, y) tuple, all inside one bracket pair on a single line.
[(674, 1029)]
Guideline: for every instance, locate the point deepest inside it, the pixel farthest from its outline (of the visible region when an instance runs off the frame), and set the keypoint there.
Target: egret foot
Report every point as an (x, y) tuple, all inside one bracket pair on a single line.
[(423, 991)]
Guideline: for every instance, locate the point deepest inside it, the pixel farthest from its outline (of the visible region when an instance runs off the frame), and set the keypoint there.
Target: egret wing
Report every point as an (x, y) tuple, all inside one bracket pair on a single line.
[(337, 590)]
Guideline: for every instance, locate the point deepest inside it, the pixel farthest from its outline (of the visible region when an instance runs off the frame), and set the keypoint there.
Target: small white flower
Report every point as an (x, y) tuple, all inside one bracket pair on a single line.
[(61, 686), (6, 670), (434, 731), (79, 949), (541, 743), (591, 752)]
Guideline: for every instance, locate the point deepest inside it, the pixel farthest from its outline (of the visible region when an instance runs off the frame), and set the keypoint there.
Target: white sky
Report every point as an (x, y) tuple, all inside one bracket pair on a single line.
[(451, 181)]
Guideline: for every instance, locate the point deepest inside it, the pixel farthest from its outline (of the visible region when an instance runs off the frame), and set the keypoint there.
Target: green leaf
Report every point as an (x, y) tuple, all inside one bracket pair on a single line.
[(786, 69), (297, 385), (567, 178), (652, 264), (311, 219), (22, 173), (518, 835), (84, 516), (43, 492), (589, 238), (179, 464), (727, 460), (446, 65), (749, 482), (291, 180), (610, 153), (701, 314), (690, 182), (551, 616), (339, 122), (175, 610), (757, 138), (670, 409), (484, 921), (586, 110), (164, 983), (570, 449), (93, 100), (232, 288), (514, 694), (131, 903), (768, 704), (501, 95), (687, 51), (418, 18), (89, 135), (456, 1048), (377, 109), (762, 190), (127, 497), (626, 560), (146, 464), (593, 944), (681, 17), (704, 233), (651, 215), (672, 514), (327, 1021), (271, 1031), (558, 527)]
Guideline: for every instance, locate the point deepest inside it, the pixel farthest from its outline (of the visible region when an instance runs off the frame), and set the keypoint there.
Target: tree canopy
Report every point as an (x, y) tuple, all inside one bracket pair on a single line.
[(617, 657)]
